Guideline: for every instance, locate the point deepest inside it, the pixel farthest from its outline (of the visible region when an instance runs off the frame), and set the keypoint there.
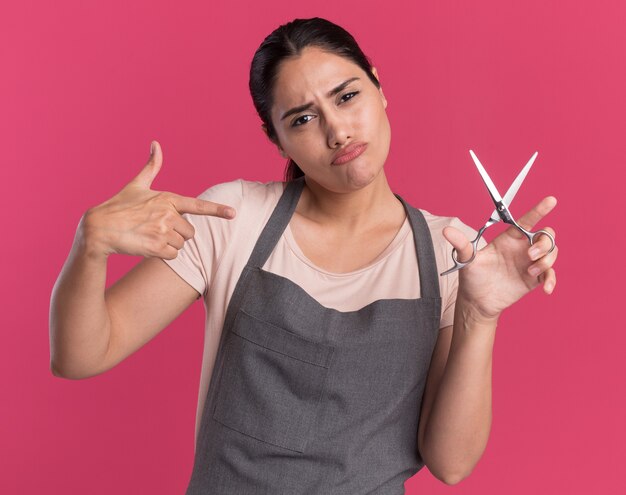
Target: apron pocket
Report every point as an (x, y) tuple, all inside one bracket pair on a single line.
[(271, 383)]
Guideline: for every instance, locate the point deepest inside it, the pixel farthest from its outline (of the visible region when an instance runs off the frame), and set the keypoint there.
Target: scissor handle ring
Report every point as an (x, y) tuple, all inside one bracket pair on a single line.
[(532, 236), (460, 264), (463, 263)]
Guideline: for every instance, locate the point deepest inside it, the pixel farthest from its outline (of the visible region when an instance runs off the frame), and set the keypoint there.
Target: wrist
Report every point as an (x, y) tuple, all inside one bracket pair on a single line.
[(474, 316), (87, 241)]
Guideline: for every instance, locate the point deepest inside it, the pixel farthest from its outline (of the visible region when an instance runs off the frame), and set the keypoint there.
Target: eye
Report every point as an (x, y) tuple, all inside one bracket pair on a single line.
[(299, 121), (351, 95)]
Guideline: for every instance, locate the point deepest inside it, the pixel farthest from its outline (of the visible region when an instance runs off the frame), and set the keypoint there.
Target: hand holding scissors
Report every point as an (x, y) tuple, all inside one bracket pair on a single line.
[(501, 213)]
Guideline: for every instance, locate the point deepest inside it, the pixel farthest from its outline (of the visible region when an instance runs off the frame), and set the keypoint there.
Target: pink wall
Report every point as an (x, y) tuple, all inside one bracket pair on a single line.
[(85, 86)]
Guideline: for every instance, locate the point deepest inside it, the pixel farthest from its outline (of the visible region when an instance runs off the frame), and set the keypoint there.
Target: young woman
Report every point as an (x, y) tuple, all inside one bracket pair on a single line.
[(336, 358)]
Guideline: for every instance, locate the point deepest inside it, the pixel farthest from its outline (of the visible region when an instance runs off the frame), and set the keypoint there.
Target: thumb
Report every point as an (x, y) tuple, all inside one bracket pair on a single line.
[(458, 240), (151, 169)]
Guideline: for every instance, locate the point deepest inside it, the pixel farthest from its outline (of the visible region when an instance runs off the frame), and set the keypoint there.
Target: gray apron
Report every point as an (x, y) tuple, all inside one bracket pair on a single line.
[(306, 399)]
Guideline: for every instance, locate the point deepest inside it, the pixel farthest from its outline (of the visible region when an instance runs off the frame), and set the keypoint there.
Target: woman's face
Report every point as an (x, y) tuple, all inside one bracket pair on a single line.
[(338, 116)]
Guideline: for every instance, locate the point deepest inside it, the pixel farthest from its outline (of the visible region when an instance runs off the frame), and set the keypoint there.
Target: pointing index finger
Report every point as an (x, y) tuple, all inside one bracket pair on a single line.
[(197, 206)]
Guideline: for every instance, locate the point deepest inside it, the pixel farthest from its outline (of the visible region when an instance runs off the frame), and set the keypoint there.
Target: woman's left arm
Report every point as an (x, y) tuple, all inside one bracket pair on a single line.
[(456, 411)]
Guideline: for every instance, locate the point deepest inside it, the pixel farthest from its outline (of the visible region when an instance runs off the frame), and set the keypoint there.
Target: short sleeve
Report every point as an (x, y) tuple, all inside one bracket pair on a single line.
[(199, 258), (450, 283)]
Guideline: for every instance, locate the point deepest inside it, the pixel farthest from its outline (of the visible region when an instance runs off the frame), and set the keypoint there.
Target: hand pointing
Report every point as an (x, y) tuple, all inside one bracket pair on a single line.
[(141, 222)]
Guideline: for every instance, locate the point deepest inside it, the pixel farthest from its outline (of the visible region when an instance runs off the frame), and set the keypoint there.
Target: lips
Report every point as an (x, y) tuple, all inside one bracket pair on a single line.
[(349, 153)]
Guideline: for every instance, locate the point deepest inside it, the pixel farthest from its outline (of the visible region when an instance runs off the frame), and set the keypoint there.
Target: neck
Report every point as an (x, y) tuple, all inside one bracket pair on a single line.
[(352, 211)]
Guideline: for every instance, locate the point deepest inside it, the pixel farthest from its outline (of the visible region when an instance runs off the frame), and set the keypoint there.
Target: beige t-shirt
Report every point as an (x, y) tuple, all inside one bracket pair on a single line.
[(212, 261)]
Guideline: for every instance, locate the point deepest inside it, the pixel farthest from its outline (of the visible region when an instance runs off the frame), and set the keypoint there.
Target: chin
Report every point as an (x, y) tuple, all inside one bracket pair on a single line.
[(360, 181), (360, 177)]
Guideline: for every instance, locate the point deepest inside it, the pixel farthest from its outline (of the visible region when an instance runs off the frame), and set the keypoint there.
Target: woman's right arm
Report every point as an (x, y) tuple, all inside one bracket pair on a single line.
[(93, 329)]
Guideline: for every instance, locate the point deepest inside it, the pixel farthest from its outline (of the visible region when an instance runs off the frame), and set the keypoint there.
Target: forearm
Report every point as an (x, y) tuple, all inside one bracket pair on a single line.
[(459, 422), (79, 320)]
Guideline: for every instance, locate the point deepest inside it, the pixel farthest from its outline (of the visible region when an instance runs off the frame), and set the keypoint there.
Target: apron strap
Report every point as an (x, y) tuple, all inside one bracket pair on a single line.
[(426, 260), (277, 223)]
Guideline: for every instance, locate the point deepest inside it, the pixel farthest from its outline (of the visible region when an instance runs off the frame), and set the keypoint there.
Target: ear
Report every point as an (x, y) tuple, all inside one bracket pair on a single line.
[(264, 127), (375, 72)]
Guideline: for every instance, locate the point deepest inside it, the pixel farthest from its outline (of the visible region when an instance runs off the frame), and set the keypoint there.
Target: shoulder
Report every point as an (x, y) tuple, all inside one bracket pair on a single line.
[(437, 224), (241, 190), (253, 202)]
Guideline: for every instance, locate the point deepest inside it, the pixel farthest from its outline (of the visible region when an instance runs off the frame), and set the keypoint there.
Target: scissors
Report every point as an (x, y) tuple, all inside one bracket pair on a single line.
[(500, 213)]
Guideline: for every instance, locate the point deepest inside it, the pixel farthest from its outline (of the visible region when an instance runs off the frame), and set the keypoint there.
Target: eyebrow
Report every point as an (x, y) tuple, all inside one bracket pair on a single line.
[(331, 93)]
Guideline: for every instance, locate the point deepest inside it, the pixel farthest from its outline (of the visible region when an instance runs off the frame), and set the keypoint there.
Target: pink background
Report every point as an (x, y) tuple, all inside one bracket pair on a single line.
[(85, 86)]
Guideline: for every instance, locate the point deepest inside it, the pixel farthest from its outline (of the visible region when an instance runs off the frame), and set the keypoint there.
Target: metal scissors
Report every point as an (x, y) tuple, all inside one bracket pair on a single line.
[(500, 213)]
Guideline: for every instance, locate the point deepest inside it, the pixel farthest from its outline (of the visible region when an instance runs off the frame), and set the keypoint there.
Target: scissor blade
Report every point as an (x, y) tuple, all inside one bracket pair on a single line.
[(493, 192), (510, 194)]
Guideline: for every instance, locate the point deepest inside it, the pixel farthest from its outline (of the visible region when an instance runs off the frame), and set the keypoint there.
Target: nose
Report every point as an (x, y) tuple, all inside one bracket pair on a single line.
[(337, 129)]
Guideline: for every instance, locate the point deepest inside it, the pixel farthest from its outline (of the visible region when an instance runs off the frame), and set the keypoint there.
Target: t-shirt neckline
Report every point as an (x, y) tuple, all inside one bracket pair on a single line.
[(403, 231)]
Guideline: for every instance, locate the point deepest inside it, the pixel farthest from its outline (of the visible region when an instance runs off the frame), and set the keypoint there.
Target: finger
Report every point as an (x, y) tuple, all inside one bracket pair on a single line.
[(184, 228), (174, 239), (540, 210), (548, 278), (464, 250), (150, 169), (197, 206), (544, 263), (542, 244), (167, 253)]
